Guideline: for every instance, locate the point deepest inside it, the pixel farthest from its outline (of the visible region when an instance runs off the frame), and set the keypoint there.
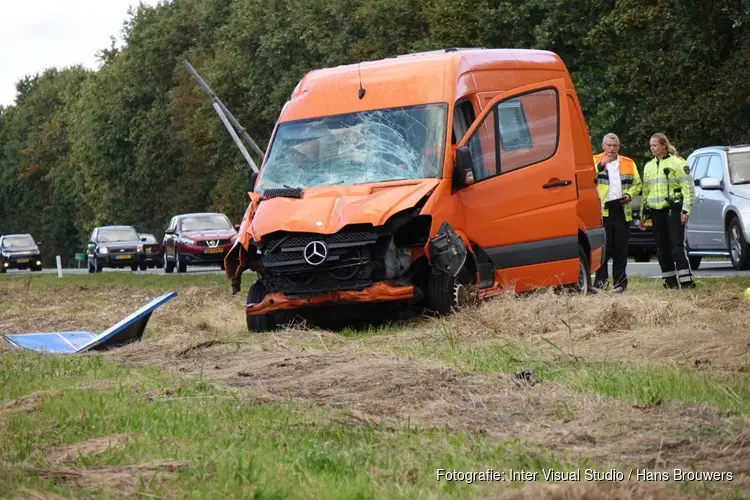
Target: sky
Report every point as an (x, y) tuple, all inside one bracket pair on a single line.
[(40, 34)]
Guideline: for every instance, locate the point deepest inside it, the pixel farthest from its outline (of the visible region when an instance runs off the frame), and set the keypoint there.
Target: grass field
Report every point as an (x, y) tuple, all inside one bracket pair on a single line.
[(652, 380)]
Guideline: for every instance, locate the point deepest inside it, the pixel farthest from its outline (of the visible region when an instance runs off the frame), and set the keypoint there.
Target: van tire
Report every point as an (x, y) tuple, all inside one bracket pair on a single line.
[(583, 285), (445, 294), (258, 323)]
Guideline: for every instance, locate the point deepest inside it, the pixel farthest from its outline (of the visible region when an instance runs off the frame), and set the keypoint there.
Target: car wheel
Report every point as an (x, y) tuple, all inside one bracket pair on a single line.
[(90, 266), (36, 269), (168, 266), (642, 257), (263, 322), (2, 269), (738, 250), (143, 266), (99, 267), (181, 266), (134, 267)]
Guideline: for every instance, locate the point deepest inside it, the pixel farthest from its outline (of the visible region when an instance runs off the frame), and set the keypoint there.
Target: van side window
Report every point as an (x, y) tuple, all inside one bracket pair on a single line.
[(528, 128), (463, 117), (483, 146)]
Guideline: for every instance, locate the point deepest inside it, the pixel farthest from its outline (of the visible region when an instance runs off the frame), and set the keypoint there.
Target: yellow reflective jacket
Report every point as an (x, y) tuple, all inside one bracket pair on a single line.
[(667, 182), (629, 177)]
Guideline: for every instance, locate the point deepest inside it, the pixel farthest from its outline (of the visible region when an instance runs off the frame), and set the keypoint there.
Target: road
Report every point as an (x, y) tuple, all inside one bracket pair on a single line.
[(83, 270), (711, 269)]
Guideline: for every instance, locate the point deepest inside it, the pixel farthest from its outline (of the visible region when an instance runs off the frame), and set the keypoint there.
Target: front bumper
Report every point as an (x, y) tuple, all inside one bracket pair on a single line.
[(203, 255), (118, 260), (378, 292), (21, 262)]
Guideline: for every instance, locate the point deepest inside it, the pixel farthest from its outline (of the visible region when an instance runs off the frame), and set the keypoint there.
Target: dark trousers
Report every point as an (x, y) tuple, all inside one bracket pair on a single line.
[(669, 234), (618, 235)]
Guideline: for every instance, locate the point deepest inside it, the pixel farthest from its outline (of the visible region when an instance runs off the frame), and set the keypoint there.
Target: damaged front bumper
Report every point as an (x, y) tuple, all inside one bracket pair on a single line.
[(378, 292)]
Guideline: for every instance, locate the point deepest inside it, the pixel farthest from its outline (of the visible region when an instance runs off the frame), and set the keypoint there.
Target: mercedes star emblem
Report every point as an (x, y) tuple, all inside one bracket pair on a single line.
[(315, 253)]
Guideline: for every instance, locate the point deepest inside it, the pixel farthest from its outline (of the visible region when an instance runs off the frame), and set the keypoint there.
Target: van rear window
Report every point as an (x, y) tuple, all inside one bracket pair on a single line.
[(371, 146)]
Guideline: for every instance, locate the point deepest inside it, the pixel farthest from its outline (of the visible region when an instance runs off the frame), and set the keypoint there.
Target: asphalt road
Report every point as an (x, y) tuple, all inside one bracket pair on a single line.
[(83, 270), (711, 269)]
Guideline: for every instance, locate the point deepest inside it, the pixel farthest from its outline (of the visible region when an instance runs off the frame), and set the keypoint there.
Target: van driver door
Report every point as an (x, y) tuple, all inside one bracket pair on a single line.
[(521, 208)]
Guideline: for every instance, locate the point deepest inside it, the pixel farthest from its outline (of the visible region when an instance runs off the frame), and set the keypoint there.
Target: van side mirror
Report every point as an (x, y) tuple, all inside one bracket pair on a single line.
[(463, 173), (253, 179), (710, 184)]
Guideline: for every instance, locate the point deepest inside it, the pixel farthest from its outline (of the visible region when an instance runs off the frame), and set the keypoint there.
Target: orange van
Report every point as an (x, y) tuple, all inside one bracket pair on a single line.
[(422, 178)]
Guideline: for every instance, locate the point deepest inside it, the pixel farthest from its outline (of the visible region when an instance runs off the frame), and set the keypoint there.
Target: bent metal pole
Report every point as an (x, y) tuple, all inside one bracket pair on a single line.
[(226, 117)]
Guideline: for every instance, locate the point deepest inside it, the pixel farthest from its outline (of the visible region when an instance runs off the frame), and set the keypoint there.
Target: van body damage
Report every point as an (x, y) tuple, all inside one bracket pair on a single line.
[(335, 240)]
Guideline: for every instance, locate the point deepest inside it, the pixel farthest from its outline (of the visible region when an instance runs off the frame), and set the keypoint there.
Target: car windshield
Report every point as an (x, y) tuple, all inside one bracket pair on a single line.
[(18, 242), (111, 235), (371, 146), (739, 167), (205, 223)]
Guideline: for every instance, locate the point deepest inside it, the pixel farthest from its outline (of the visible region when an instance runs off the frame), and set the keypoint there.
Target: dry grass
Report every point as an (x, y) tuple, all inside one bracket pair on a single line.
[(401, 376)]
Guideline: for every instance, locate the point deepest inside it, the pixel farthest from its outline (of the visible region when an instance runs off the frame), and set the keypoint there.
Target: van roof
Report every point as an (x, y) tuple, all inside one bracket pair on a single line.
[(411, 79)]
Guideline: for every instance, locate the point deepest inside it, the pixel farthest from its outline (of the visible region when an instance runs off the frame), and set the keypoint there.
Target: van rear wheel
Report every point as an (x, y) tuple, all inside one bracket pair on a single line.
[(583, 285), (262, 322)]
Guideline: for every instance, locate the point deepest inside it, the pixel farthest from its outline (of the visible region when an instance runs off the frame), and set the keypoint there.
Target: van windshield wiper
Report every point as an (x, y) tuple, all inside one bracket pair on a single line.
[(285, 192)]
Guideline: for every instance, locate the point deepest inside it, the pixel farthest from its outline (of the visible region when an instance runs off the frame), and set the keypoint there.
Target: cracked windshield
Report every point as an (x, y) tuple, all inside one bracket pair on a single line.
[(372, 146)]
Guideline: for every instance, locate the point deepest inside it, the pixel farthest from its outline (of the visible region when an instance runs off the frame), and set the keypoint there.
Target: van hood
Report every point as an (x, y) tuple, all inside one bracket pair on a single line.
[(741, 191), (327, 209)]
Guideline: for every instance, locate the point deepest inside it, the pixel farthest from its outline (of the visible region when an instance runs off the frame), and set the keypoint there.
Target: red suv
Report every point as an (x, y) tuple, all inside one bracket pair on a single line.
[(201, 238)]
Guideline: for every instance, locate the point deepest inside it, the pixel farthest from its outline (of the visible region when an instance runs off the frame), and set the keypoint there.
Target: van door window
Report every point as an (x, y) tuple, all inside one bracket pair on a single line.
[(528, 127), (483, 147)]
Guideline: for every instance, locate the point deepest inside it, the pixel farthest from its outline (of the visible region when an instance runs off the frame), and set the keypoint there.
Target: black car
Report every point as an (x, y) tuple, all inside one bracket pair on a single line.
[(116, 247), (642, 245), (19, 251), (152, 254)]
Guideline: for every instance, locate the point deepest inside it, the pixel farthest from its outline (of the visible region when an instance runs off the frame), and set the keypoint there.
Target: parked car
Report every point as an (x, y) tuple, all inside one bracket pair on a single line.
[(199, 238), (152, 252), (642, 244), (474, 181), (19, 251), (720, 221), (115, 247)]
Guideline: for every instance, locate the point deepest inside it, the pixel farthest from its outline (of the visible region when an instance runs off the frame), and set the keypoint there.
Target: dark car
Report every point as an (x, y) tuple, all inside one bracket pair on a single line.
[(642, 245), (152, 253), (19, 251), (116, 247), (200, 238)]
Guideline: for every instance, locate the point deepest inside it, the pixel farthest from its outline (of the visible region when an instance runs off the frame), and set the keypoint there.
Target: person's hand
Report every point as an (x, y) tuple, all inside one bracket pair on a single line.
[(625, 199), (684, 218), (641, 225), (610, 157)]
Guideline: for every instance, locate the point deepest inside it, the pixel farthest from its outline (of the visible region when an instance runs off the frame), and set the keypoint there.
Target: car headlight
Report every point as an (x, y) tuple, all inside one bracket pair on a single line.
[(139, 248), (187, 241), (103, 250)]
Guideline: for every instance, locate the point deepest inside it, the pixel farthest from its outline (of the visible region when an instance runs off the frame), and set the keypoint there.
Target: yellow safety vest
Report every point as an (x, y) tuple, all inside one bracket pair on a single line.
[(629, 177), (667, 182)]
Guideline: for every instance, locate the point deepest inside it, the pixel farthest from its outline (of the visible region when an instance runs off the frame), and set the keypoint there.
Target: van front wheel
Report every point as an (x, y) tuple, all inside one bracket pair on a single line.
[(446, 294), (263, 322)]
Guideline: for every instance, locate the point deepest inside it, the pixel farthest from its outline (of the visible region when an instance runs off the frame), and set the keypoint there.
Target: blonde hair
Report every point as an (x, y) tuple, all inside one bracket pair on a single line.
[(664, 142)]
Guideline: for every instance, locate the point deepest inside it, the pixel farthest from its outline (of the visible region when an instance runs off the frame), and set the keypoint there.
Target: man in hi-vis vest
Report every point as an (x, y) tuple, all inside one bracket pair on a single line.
[(618, 182)]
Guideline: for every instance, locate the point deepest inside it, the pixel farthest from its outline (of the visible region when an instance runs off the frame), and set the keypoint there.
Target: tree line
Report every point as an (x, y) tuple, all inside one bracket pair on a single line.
[(136, 141)]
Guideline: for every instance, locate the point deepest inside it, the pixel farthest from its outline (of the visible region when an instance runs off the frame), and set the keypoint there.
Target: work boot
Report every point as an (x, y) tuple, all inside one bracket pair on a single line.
[(618, 289)]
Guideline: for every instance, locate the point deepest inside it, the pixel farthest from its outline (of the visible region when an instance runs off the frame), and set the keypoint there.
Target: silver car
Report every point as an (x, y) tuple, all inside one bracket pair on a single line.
[(720, 222)]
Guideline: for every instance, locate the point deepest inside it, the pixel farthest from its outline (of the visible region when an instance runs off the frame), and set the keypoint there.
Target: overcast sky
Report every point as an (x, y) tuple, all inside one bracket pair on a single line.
[(39, 34)]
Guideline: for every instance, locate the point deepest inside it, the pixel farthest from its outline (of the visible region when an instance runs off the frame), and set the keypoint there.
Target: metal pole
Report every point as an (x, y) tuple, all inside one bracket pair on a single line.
[(227, 113), (236, 139)]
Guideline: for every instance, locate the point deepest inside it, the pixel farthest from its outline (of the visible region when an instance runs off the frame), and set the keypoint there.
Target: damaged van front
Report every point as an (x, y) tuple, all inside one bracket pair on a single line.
[(426, 179), (336, 213)]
